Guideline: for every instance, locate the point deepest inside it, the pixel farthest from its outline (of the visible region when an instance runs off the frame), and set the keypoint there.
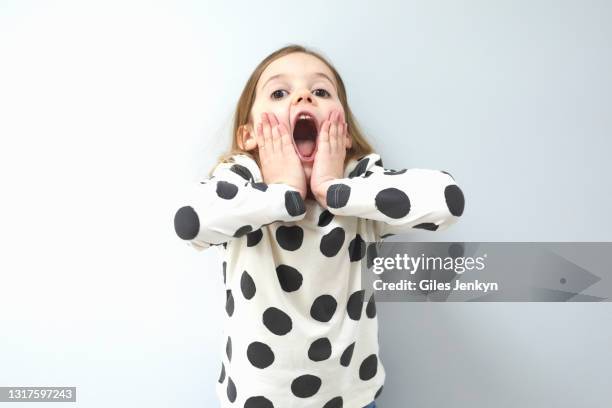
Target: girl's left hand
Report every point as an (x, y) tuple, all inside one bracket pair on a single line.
[(329, 160)]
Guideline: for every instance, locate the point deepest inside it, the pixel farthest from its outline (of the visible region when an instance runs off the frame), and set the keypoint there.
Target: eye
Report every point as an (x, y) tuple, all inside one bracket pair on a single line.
[(275, 94), (325, 93)]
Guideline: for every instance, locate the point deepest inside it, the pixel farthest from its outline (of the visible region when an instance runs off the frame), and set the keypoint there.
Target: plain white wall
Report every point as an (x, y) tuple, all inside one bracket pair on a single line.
[(108, 110)]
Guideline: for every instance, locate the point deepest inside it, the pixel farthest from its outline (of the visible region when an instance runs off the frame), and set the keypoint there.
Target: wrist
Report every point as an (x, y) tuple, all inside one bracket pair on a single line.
[(321, 192)]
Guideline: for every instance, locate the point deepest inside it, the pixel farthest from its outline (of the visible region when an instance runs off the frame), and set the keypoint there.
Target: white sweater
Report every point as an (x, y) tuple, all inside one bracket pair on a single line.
[(297, 333)]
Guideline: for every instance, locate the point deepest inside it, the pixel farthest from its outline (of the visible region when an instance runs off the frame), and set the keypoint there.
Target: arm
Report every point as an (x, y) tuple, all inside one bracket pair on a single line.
[(397, 200), (232, 203)]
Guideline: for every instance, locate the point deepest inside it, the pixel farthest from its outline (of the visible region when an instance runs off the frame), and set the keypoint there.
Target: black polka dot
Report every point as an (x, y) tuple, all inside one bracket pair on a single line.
[(226, 190), (338, 195), (454, 199), (242, 171), (371, 307), (222, 374), (379, 163), (357, 249), (368, 367), (305, 386), (334, 403), (368, 174), (347, 355), (247, 285), (427, 226), (242, 231), (378, 392), (260, 354), (289, 278), (294, 204), (392, 202), (186, 223), (355, 304), (231, 390), (371, 254), (260, 186), (229, 302), (277, 321), (456, 250), (228, 348), (332, 242), (320, 349), (359, 169), (446, 172), (325, 218), (290, 237), (323, 308), (224, 269), (258, 402), (392, 172), (225, 245), (254, 237), (387, 235)]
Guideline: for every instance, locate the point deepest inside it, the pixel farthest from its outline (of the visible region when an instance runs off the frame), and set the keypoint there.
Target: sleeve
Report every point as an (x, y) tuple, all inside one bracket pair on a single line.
[(397, 200), (233, 202)]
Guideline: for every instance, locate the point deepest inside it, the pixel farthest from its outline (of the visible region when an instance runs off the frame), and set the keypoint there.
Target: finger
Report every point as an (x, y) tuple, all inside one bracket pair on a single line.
[(276, 138), (267, 133), (273, 120), (333, 132), (286, 139), (339, 131), (340, 138), (259, 136), (324, 133)]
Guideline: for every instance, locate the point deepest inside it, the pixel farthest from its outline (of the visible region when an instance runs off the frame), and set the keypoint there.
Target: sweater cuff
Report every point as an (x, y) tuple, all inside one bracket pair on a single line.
[(286, 203)]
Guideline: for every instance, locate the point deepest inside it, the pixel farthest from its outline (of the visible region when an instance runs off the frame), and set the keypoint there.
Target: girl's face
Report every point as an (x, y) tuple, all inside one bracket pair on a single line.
[(294, 84)]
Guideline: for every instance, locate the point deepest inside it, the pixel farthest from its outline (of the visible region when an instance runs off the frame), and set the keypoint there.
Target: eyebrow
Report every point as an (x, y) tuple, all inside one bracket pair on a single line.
[(317, 74)]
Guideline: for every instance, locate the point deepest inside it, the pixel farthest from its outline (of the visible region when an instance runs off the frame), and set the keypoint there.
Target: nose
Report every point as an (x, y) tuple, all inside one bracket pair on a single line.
[(302, 96)]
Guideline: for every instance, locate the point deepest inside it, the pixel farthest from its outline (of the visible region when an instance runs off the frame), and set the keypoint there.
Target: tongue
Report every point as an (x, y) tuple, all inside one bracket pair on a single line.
[(306, 147)]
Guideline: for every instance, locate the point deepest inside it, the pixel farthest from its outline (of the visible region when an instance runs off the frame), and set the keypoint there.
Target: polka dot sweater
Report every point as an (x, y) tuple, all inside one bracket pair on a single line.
[(299, 330)]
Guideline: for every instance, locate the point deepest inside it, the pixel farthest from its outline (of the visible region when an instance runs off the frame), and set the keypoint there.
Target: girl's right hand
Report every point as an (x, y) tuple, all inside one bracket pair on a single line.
[(279, 161)]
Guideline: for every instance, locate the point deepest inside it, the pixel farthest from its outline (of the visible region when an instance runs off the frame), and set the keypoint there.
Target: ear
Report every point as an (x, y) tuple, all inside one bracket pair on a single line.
[(246, 138)]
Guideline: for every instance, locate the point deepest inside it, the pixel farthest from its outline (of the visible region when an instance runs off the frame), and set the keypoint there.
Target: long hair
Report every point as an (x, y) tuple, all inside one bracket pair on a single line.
[(360, 146)]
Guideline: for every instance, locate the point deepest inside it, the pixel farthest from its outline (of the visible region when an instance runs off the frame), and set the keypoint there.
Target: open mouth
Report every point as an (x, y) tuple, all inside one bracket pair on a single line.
[(305, 134)]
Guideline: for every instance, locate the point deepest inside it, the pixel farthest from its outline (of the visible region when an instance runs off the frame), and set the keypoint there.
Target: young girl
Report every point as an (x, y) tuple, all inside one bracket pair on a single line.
[(290, 209)]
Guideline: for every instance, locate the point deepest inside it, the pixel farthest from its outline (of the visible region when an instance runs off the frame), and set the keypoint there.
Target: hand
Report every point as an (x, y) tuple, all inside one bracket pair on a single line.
[(279, 161), (329, 160)]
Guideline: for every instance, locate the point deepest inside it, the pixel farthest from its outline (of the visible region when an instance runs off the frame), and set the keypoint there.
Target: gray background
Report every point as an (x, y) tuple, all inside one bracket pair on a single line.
[(110, 109)]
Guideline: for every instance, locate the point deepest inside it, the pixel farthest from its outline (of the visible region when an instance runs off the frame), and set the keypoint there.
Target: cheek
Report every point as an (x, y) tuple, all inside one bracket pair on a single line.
[(280, 111), (341, 109), (282, 114), (335, 106)]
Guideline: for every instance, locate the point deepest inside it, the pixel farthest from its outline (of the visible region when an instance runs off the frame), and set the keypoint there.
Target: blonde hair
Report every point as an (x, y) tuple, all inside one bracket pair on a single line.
[(360, 146)]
